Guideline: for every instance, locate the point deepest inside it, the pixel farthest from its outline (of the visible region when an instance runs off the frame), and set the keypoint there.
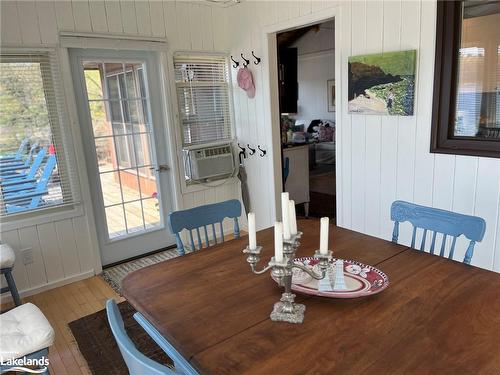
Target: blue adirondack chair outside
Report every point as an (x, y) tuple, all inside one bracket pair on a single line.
[(13, 165), (137, 363), (19, 153), (200, 217), (25, 177), (30, 198), (438, 221)]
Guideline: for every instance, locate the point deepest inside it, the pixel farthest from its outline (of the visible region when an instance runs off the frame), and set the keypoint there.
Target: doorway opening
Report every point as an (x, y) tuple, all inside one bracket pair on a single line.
[(306, 81)]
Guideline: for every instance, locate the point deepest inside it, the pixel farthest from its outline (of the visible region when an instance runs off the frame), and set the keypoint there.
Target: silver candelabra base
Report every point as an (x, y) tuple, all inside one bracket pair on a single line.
[(286, 310)]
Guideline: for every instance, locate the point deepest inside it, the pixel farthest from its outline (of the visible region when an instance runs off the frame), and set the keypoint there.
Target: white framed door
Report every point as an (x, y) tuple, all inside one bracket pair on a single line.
[(119, 105)]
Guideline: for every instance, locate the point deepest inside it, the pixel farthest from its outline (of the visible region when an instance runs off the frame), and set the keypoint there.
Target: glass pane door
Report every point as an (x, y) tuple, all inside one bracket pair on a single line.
[(120, 112)]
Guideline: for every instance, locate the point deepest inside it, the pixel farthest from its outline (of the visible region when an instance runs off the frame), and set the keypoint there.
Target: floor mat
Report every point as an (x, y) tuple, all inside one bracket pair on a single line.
[(98, 346), (114, 275)]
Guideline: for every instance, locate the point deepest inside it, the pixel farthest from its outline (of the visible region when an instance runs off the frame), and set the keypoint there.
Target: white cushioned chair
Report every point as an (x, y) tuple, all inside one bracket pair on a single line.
[(7, 260), (25, 332)]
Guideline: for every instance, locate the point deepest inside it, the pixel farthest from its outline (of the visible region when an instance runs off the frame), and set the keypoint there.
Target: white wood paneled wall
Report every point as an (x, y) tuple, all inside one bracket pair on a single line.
[(63, 249), (245, 20), (380, 158)]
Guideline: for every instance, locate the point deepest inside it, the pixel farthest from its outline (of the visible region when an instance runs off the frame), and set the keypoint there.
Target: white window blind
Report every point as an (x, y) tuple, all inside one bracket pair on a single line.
[(470, 91), (32, 112), (202, 85)]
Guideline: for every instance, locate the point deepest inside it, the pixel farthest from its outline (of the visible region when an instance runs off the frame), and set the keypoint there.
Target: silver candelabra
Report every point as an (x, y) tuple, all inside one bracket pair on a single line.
[(286, 310)]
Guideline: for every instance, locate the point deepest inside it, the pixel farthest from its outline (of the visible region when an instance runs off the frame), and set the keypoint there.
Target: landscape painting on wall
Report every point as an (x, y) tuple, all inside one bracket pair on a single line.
[(382, 84)]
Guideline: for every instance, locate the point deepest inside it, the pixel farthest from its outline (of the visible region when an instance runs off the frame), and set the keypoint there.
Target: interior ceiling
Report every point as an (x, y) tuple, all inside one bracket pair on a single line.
[(475, 8), (287, 38)]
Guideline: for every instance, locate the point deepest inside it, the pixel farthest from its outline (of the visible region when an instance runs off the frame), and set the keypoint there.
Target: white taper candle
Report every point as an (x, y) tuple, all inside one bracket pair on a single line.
[(252, 235), (323, 237), (293, 217), (278, 242), (285, 218)]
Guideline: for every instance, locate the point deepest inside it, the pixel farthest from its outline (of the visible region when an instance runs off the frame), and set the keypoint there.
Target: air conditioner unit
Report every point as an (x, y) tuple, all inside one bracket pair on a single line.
[(209, 163)]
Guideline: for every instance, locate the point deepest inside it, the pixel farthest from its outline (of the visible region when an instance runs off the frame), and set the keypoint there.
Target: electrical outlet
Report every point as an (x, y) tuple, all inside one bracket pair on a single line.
[(27, 255)]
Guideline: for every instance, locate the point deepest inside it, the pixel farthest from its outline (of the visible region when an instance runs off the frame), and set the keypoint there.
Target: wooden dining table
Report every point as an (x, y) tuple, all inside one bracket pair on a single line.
[(437, 316)]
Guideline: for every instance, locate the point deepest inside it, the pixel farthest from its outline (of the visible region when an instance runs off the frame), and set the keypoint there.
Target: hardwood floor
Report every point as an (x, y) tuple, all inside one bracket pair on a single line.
[(71, 302), (63, 305)]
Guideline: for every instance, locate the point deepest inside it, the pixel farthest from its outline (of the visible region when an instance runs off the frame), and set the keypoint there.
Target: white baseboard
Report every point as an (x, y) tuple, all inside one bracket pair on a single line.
[(53, 284)]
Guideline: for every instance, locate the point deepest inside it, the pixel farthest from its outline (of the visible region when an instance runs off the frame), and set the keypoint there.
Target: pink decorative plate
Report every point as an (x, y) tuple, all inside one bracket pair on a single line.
[(360, 279)]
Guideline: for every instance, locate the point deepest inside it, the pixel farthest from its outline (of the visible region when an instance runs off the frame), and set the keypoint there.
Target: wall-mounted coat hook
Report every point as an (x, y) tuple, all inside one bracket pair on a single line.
[(257, 59), (246, 61), (243, 150), (242, 153), (262, 152), (236, 63), (252, 150)]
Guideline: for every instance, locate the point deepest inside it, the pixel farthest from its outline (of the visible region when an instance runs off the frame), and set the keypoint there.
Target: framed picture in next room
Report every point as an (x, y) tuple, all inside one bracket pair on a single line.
[(382, 84), (330, 90)]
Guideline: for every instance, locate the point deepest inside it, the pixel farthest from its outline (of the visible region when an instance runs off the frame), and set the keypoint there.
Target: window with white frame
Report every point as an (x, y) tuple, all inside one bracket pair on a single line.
[(129, 112), (34, 171), (202, 85)]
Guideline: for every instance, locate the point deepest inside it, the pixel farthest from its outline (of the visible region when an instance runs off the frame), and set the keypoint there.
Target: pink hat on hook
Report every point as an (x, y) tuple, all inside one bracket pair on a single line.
[(245, 81)]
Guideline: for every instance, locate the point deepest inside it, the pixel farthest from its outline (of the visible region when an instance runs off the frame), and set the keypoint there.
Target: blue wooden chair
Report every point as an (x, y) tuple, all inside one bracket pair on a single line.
[(24, 177), (19, 153), (438, 221), (10, 166), (137, 363), (180, 363), (203, 216), (28, 199)]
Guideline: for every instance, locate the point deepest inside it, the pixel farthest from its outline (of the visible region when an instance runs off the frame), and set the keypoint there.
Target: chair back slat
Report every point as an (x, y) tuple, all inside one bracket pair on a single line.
[(191, 241), (20, 150), (469, 252), (37, 162), (424, 236), (433, 243), (136, 362), (207, 241), (178, 241), (236, 228), (201, 216), (395, 232), (31, 152), (443, 245), (221, 232), (50, 164), (413, 236), (200, 244), (439, 221), (214, 234), (452, 249)]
